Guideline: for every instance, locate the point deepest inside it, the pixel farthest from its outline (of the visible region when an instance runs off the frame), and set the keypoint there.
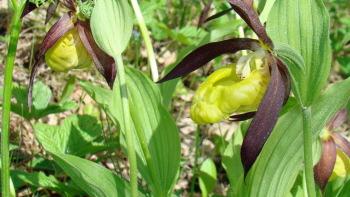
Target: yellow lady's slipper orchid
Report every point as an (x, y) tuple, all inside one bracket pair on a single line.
[(68, 53), (225, 93)]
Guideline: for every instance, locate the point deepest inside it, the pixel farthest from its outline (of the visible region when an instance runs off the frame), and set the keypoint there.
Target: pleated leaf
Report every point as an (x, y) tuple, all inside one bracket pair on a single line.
[(304, 25), (94, 179), (151, 119)]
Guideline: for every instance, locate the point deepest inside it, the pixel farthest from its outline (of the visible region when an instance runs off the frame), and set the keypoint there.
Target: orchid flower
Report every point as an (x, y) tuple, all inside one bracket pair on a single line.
[(69, 45), (335, 157), (256, 86)]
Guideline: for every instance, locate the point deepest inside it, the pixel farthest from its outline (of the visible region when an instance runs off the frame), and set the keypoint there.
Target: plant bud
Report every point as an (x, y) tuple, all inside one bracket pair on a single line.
[(68, 53), (225, 93)]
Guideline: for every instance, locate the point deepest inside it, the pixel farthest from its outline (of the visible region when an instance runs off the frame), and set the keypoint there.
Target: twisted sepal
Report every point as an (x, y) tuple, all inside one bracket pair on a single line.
[(202, 55), (265, 117), (103, 62), (245, 10), (324, 168)]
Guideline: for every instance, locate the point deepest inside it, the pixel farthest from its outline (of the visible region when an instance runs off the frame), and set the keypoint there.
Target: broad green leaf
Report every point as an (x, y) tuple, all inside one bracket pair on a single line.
[(40, 180), (20, 105), (41, 95), (78, 135), (111, 24), (207, 177), (304, 25), (278, 165), (92, 178), (151, 120)]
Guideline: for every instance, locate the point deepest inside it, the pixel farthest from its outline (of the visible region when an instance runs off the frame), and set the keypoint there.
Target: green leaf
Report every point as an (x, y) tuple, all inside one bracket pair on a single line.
[(207, 177), (231, 161), (295, 64), (304, 25), (111, 24), (40, 180), (151, 120), (94, 179), (20, 106), (278, 165), (78, 135), (68, 90), (264, 8), (41, 95)]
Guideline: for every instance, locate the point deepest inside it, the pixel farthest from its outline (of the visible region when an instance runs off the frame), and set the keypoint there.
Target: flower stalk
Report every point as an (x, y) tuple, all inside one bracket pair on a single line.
[(15, 30), (127, 122), (308, 163), (144, 31)]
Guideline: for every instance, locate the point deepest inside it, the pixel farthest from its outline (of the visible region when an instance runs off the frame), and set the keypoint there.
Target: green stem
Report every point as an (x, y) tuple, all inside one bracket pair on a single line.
[(127, 122), (309, 173), (145, 34), (196, 155), (15, 29)]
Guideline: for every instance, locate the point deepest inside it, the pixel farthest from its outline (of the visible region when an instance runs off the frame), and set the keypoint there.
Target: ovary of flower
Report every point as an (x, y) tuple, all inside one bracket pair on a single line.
[(341, 167), (225, 93), (68, 53)]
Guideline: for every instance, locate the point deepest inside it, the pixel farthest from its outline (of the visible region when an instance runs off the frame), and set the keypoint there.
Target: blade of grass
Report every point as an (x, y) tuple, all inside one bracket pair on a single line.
[(15, 30), (144, 31)]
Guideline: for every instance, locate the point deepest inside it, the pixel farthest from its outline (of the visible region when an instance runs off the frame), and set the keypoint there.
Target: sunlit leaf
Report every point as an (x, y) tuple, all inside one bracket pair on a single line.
[(303, 25), (78, 135), (207, 177), (40, 180), (92, 178), (42, 95), (150, 119)]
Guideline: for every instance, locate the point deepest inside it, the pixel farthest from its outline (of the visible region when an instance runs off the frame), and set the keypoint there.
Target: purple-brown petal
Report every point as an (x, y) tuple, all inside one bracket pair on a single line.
[(51, 11), (286, 78), (251, 17), (324, 168), (342, 143), (249, 2), (103, 62), (28, 8), (61, 27), (242, 117), (208, 52), (265, 118), (338, 119), (219, 14)]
